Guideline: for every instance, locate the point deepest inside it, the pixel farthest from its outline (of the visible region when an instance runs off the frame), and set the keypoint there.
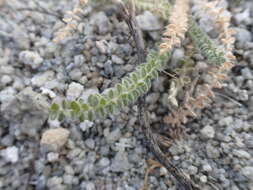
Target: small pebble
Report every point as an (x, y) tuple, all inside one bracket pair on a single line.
[(208, 132), (55, 138), (10, 154), (74, 90)]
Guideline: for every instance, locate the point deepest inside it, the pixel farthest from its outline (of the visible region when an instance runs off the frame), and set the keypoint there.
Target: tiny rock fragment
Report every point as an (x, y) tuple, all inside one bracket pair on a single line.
[(55, 138), (10, 154)]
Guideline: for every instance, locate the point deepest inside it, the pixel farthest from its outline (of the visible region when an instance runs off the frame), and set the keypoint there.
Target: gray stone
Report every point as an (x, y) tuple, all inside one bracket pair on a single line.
[(74, 90), (113, 136), (117, 60), (226, 121), (7, 140), (6, 69), (47, 92), (246, 73), (18, 84), (193, 170), (84, 126), (75, 74), (79, 60), (104, 162), (243, 95), (207, 168), (249, 84), (52, 156), (243, 17), (88, 29), (69, 170), (102, 46), (120, 163), (101, 21), (208, 132), (41, 79), (201, 65), (28, 110), (149, 22), (30, 58), (90, 143), (6, 79), (212, 152), (239, 80), (68, 179), (112, 47), (108, 68), (242, 154), (129, 188), (54, 181), (204, 23), (90, 186), (158, 86), (203, 179), (163, 171), (243, 35), (10, 154), (127, 49), (41, 183), (178, 55), (6, 97), (20, 37), (248, 172), (152, 98), (177, 148)]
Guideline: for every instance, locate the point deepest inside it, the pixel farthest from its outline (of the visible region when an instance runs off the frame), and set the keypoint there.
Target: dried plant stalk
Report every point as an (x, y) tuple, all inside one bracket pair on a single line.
[(177, 28), (70, 26)]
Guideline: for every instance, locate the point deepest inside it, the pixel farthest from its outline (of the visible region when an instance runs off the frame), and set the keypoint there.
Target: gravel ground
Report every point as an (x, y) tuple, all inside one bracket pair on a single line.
[(216, 149)]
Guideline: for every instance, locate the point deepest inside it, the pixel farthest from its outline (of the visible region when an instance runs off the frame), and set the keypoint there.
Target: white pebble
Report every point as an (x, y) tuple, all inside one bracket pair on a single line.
[(242, 154), (74, 90), (52, 156), (203, 179), (84, 126), (48, 92), (248, 172), (207, 168), (6, 79), (208, 132), (30, 58), (10, 154), (42, 78)]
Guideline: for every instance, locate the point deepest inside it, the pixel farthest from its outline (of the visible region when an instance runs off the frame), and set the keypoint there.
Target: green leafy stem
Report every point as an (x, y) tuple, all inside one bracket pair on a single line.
[(111, 100), (207, 47)]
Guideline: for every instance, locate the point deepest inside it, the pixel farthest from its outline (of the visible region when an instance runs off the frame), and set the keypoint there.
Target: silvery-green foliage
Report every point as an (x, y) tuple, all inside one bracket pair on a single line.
[(207, 47), (111, 100)]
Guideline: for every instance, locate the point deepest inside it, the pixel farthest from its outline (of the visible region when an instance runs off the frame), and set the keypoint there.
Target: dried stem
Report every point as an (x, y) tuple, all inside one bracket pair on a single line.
[(184, 183)]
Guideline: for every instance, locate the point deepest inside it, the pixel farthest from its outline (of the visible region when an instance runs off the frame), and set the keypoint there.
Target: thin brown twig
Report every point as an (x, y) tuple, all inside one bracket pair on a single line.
[(184, 183), (229, 98), (135, 31)]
